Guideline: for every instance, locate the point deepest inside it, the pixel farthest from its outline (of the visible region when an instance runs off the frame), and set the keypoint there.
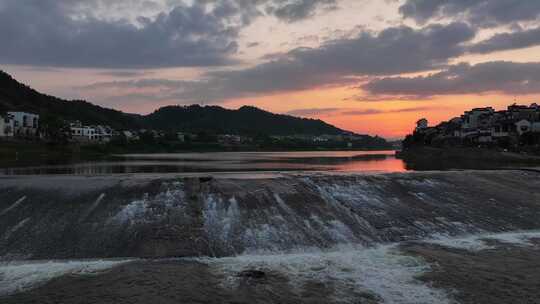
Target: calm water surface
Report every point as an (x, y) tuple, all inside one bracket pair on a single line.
[(342, 161)]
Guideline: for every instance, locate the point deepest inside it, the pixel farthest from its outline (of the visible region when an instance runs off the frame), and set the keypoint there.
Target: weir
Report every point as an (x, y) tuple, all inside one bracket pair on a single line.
[(73, 217)]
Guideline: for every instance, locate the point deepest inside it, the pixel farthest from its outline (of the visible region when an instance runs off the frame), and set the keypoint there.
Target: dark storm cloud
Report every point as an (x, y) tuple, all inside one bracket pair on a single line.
[(479, 12), (508, 41), (340, 62), (499, 76), (65, 33), (392, 51), (42, 33), (296, 10), (285, 10)]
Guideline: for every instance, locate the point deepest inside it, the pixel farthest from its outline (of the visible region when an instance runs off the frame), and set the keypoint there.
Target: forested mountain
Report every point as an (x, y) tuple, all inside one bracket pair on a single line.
[(213, 119), (246, 120), (17, 96)]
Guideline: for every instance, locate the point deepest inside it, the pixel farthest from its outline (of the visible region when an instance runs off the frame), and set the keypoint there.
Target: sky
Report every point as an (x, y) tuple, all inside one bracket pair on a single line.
[(370, 66)]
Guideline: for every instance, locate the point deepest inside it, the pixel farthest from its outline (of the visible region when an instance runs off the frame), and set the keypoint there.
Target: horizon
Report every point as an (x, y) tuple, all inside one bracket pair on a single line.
[(370, 67), (503, 107)]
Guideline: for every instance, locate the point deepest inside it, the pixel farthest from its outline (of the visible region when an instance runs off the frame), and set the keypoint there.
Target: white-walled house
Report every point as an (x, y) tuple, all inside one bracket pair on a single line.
[(476, 117), (83, 133), (103, 133), (130, 135), (24, 124)]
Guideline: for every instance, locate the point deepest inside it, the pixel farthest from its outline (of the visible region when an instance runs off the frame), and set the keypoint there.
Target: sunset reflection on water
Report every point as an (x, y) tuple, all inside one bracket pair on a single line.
[(389, 164), (332, 161)]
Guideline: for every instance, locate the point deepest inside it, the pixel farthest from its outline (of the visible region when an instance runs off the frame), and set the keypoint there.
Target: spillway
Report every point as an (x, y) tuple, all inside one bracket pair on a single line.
[(161, 216)]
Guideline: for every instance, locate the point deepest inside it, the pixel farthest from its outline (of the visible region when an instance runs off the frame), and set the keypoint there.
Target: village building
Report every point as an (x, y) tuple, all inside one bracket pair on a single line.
[(104, 133), (502, 128), (82, 133), (521, 112), (476, 117), (130, 135), (485, 126), (24, 124), (320, 139), (518, 125), (230, 139)]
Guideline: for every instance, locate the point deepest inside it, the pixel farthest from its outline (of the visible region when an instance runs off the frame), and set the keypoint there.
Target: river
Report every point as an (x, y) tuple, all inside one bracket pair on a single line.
[(342, 161)]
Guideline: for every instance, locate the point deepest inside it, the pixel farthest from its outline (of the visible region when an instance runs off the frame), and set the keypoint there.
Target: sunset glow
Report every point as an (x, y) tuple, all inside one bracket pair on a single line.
[(372, 67)]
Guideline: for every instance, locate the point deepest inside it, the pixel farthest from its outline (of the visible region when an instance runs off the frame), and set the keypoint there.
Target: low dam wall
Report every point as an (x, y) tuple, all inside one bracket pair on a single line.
[(65, 217)]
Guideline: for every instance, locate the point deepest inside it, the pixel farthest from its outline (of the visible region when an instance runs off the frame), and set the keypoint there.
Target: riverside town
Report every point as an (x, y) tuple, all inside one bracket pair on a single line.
[(517, 129)]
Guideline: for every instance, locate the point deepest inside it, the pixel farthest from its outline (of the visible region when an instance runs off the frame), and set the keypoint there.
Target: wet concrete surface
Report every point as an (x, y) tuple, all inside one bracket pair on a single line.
[(173, 282), (508, 273)]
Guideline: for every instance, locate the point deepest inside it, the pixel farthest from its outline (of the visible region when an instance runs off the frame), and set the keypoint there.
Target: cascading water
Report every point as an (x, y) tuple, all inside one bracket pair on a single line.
[(303, 230)]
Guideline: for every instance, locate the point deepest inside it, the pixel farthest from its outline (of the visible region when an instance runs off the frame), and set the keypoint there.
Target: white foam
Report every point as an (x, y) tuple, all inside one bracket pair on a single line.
[(382, 271), (132, 212), (360, 193), (471, 243), (16, 277), (220, 221), (149, 209), (478, 242)]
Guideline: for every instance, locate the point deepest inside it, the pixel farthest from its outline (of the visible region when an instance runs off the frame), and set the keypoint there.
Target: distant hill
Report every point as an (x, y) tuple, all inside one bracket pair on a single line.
[(17, 96), (244, 121)]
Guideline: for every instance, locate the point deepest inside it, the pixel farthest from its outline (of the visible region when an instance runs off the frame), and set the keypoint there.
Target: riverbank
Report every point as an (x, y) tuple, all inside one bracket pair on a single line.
[(420, 158), (15, 154)]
